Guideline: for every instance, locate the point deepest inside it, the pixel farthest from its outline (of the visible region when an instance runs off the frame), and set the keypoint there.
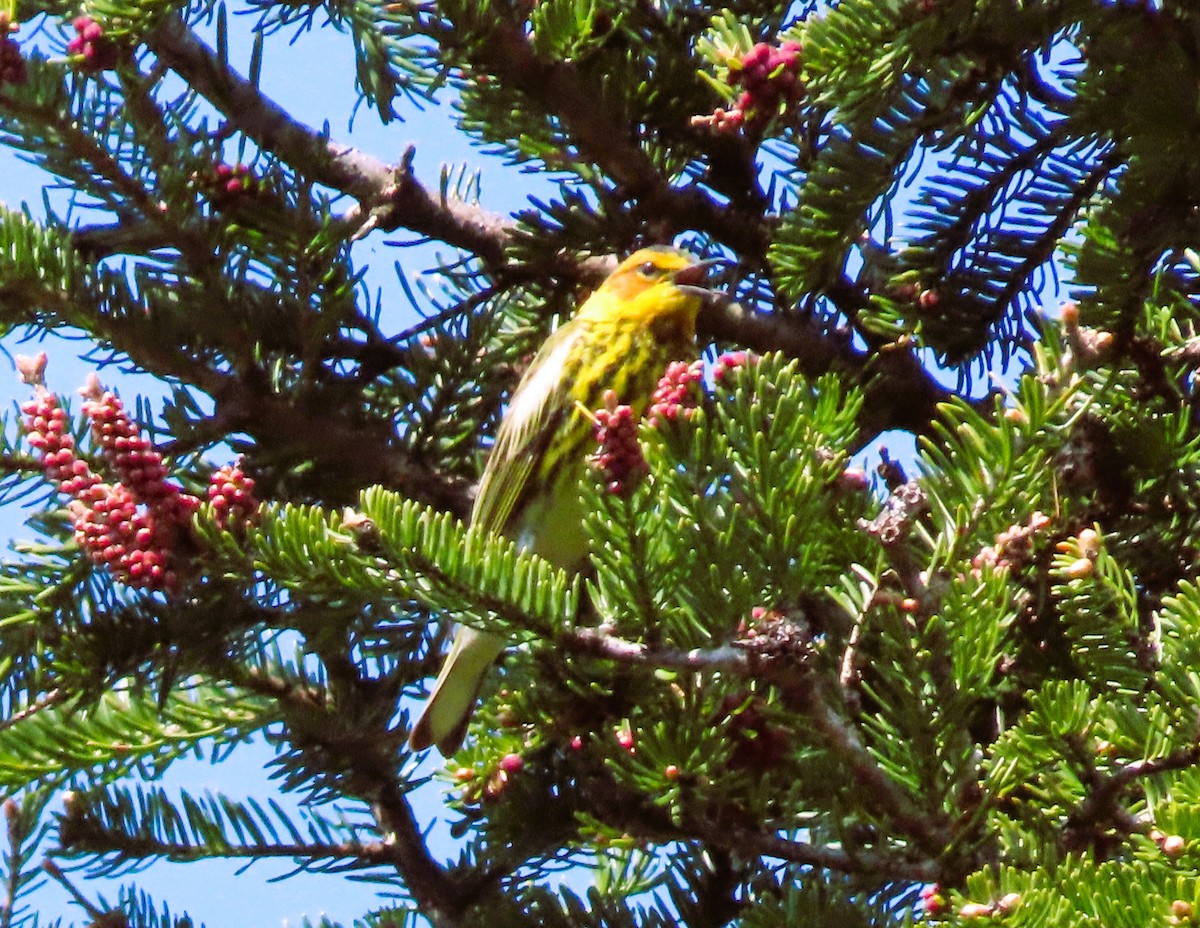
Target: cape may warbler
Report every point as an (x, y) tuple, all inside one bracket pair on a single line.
[(642, 317)]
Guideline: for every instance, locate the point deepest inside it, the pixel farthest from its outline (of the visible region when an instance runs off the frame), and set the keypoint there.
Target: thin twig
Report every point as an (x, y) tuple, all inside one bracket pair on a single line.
[(54, 871), (598, 643), (50, 699), (876, 863)]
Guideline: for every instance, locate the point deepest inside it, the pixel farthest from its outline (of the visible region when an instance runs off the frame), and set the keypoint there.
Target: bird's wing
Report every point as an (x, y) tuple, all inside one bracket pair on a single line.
[(534, 415)]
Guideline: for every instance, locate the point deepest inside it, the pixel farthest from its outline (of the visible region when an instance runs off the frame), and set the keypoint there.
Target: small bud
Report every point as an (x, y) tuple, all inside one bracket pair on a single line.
[(1080, 568), (671, 772), (853, 479), (1089, 542), (1173, 845), (1016, 416), (1182, 910), (512, 763), (463, 774), (1008, 903), (577, 743), (932, 900), (973, 910), (32, 369)]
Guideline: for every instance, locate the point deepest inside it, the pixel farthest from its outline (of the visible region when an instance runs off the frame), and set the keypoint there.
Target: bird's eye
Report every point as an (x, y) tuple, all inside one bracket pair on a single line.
[(648, 269)]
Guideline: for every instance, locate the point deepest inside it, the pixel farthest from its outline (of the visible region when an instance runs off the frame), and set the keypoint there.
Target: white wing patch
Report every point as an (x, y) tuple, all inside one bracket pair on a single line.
[(529, 402)]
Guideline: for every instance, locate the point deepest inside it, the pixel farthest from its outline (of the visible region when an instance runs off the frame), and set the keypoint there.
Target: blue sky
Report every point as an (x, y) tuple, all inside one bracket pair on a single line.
[(314, 78)]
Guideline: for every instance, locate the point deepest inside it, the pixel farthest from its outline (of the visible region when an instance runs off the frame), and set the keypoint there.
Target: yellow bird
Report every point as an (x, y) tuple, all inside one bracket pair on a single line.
[(640, 319)]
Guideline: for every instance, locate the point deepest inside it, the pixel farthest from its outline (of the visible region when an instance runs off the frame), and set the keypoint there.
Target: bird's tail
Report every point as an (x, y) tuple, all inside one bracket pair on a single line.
[(447, 713)]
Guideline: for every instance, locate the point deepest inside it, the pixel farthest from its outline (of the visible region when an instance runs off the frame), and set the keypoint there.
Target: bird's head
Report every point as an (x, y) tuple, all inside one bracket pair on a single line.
[(656, 266), (650, 282)]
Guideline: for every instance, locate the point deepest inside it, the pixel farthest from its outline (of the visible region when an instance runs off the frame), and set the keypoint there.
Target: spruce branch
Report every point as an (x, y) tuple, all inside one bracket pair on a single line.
[(275, 420), (390, 196), (369, 759), (435, 890), (803, 693), (87, 150), (1048, 241), (83, 834), (716, 890), (96, 914), (901, 394), (596, 642), (605, 140), (922, 825), (48, 700), (875, 863), (1101, 803)]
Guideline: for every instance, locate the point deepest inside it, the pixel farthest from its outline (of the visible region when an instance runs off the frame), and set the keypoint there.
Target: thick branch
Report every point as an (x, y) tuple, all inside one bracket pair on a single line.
[(369, 759), (1101, 801), (605, 141), (436, 891), (875, 863), (390, 192), (900, 393)]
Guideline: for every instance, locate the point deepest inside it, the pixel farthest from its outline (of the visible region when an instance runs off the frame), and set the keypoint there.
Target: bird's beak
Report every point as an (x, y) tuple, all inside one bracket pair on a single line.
[(695, 275)]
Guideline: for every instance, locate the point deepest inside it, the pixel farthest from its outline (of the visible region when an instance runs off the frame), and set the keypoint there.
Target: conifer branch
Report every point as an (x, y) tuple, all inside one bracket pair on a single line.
[(1100, 805), (803, 693), (85, 148), (276, 421), (369, 759), (901, 395), (390, 196), (435, 890), (54, 871), (82, 835), (878, 788), (606, 141), (16, 836), (875, 863), (598, 643), (46, 701)]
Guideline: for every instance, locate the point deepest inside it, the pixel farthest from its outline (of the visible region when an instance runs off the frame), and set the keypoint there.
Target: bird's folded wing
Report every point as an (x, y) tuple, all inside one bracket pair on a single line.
[(535, 415)]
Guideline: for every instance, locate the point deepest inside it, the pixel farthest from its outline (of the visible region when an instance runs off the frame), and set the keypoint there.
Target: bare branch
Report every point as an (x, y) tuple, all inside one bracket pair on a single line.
[(1101, 803), (900, 393), (389, 194), (875, 863), (598, 643)]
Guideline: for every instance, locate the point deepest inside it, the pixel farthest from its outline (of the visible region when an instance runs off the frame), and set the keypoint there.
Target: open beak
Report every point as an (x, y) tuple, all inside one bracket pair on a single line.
[(696, 275)]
